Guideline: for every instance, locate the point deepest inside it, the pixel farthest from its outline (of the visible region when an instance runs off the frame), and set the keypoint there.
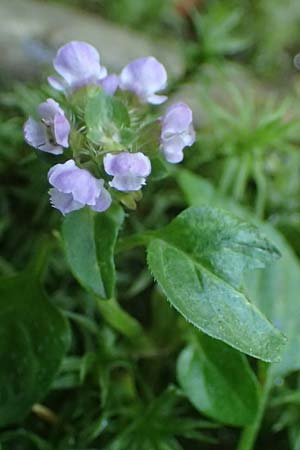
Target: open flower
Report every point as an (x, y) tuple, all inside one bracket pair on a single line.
[(145, 77), (78, 65), (177, 132), (129, 170), (74, 188), (51, 134)]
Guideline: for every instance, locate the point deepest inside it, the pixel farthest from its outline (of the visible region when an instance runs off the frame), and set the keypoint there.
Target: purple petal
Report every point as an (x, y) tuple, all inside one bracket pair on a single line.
[(127, 164), (51, 148), (70, 179), (172, 149), (127, 183), (144, 77), (49, 109), (63, 202), (57, 83), (189, 137), (34, 133), (157, 99), (178, 119), (55, 119), (103, 202), (110, 84), (61, 130), (79, 65), (177, 131), (36, 136)]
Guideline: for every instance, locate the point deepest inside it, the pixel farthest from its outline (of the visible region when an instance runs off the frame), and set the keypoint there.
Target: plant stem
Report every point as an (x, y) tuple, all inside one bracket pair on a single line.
[(135, 240), (249, 434), (45, 413), (229, 173), (261, 189), (241, 179), (123, 322)]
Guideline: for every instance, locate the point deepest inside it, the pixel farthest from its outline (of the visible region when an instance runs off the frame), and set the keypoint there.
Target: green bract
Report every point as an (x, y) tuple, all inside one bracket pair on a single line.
[(107, 119)]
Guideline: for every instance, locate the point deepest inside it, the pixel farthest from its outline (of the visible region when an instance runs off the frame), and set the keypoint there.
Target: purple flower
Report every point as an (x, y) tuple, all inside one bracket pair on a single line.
[(78, 65), (129, 170), (51, 134), (74, 188), (145, 77), (177, 132)]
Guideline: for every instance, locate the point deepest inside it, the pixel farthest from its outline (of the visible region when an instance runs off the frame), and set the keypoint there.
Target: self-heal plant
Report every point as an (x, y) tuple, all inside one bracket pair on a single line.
[(209, 371), (109, 141), (106, 124)]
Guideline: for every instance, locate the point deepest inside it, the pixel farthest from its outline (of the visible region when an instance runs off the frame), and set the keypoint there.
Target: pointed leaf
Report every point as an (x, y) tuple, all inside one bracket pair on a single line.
[(274, 289), (276, 293), (90, 240), (34, 337), (218, 381), (199, 260)]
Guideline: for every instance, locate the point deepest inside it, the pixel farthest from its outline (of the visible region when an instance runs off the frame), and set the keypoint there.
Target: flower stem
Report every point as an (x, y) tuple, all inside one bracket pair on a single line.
[(249, 434), (135, 240), (123, 322)]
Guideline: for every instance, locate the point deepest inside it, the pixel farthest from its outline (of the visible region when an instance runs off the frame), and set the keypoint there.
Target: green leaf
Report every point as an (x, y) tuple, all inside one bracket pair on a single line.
[(34, 337), (275, 290), (199, 260), (90, 240), (218, 381), (276, 293), (160, 169), (124, 323), (106, 118)]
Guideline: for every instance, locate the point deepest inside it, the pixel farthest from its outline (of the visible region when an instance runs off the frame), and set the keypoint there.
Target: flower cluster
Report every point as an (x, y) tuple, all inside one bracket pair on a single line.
[(75, 183)]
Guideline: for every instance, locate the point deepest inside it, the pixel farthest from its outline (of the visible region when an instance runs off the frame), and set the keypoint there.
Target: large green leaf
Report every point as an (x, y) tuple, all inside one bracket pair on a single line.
[(276, 293), (275, 289), (34, 337), (106, 118), (89, 245), (218, 381), (199, 260)]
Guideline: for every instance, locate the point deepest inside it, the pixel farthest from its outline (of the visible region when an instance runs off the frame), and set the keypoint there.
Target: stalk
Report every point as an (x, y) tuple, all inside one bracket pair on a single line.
[(249, 434)]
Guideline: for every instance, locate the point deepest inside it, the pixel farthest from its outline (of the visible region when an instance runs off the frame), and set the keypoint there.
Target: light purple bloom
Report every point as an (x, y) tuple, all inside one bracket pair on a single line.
[(74, 188), (51, 134), (78, 65), (145, 77), (177, 132), (129, 170), (110, 84)]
